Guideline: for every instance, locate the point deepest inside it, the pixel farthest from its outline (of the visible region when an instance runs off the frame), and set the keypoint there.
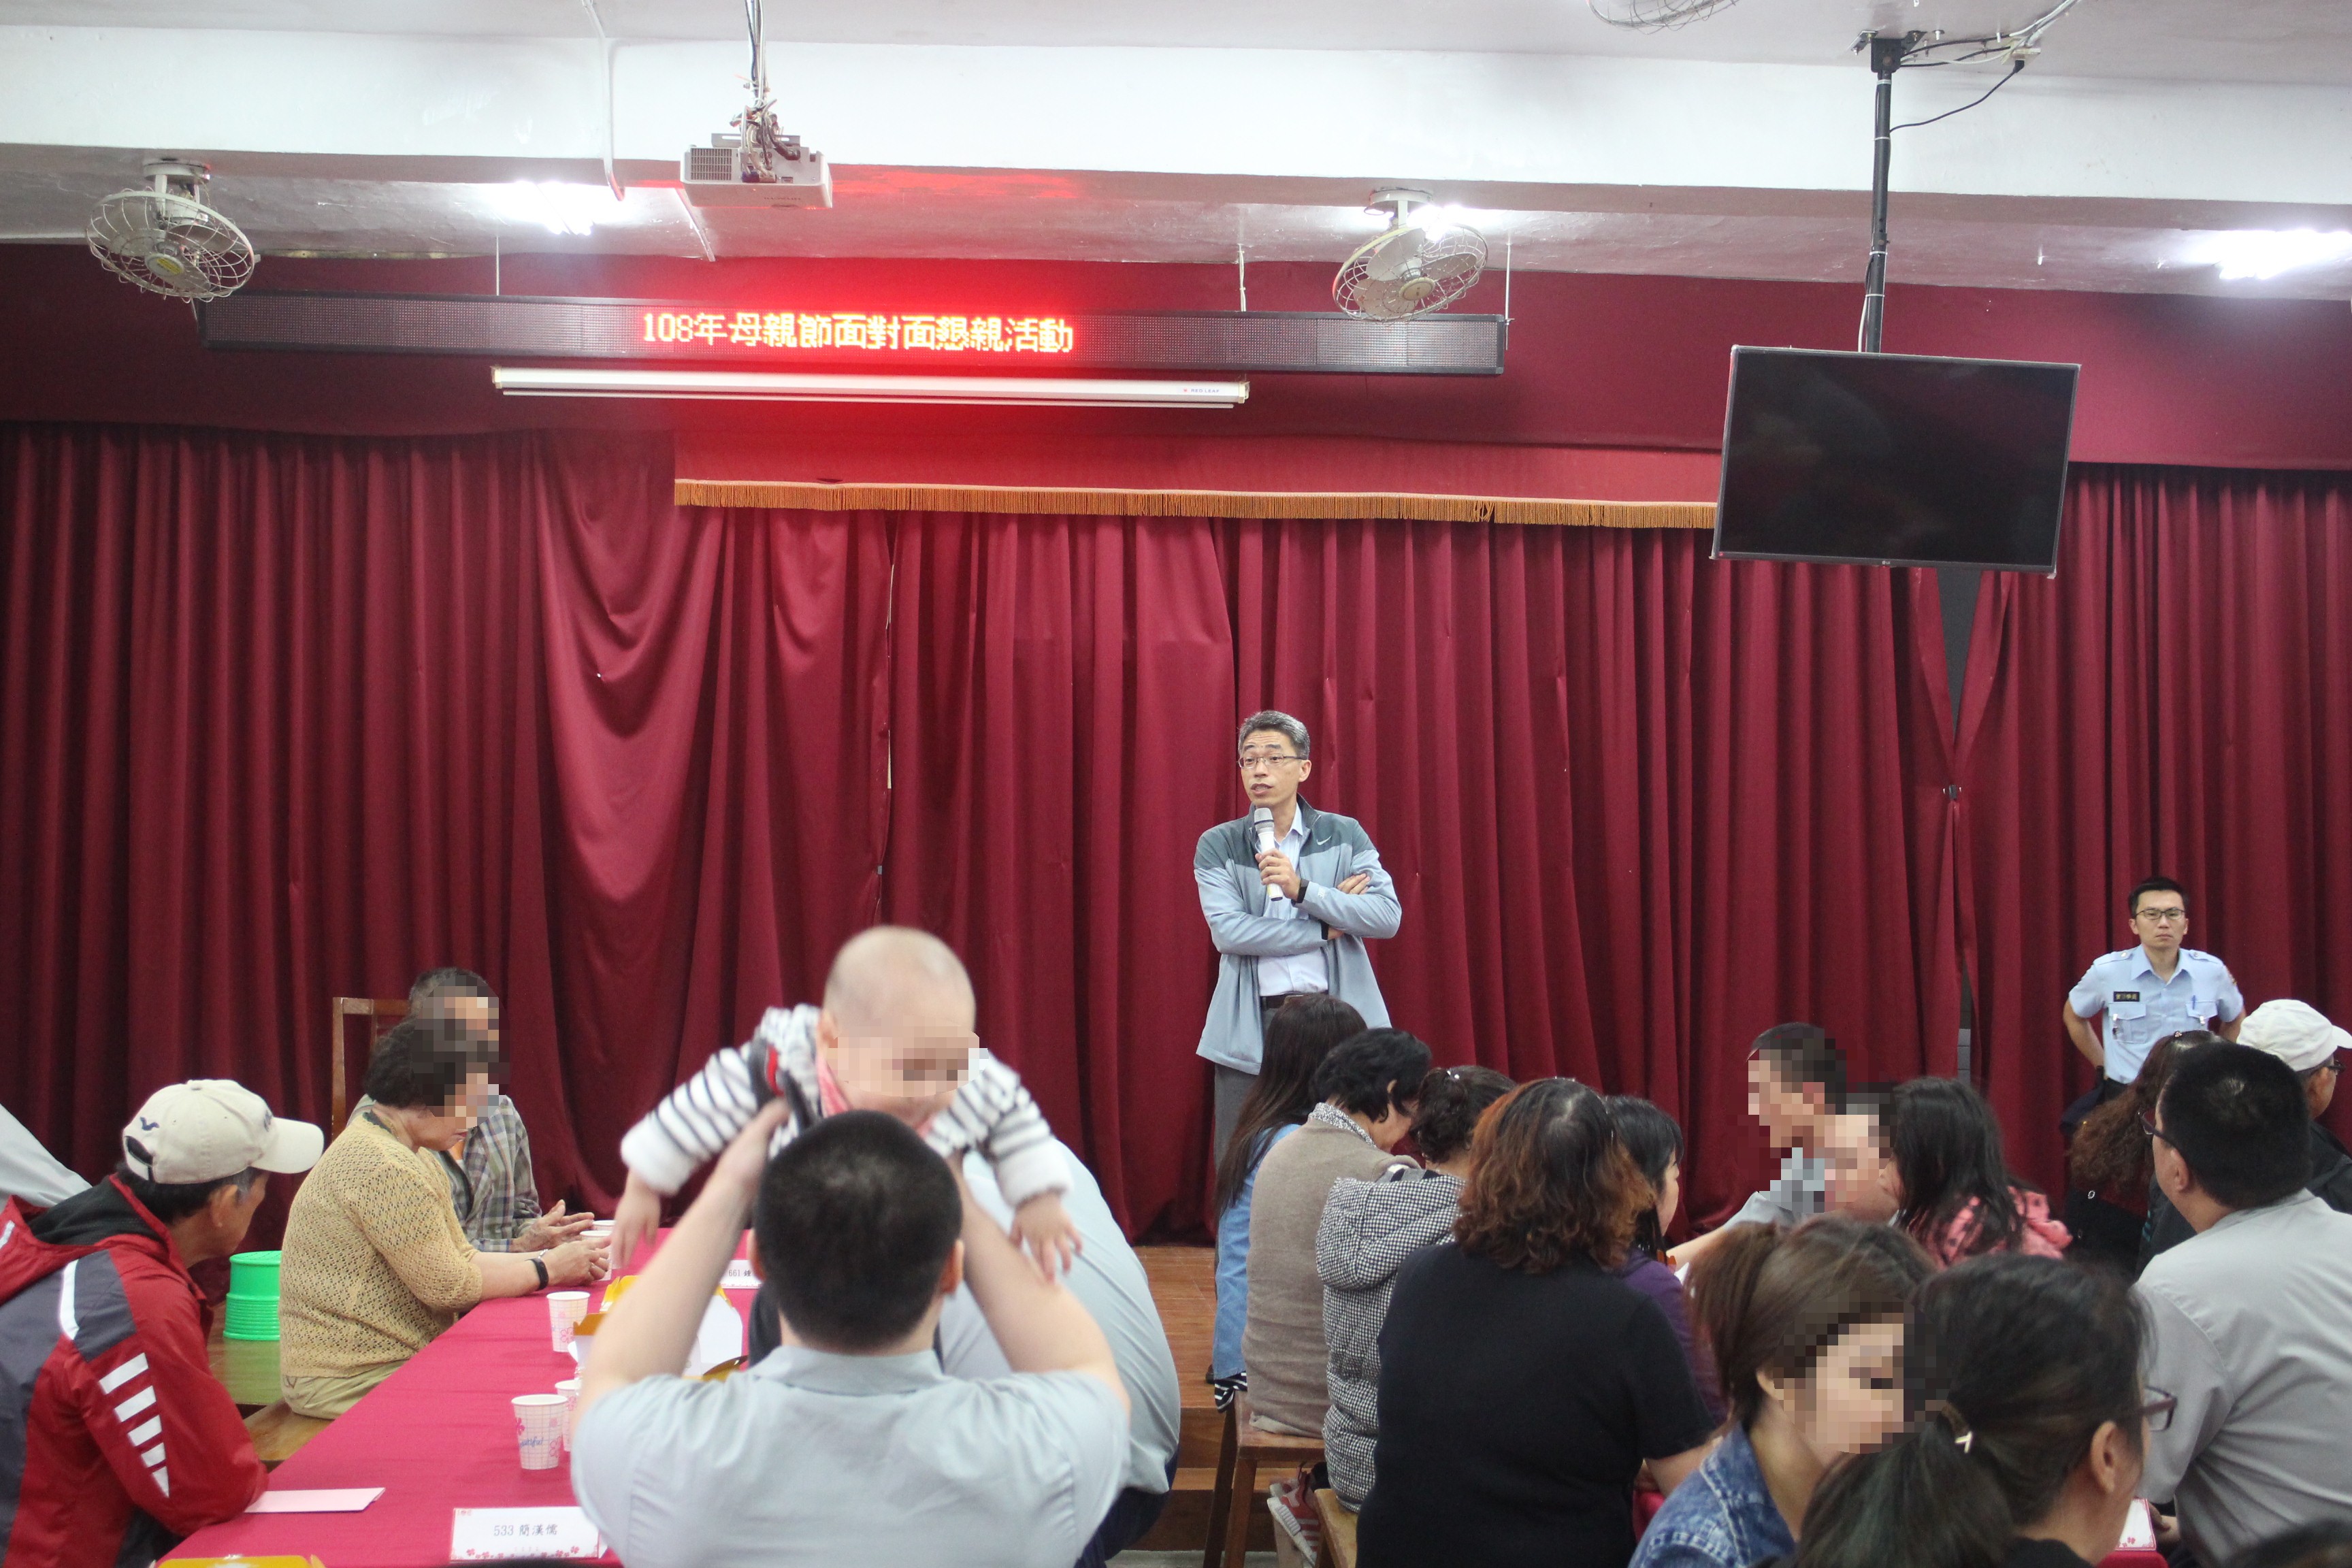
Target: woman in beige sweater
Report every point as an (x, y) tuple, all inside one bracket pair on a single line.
[(375, 1262), (1368, 1086)]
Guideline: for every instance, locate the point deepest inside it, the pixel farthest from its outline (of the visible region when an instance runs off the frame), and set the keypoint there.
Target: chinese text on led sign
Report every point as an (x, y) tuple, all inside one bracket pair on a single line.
[(850, 330)]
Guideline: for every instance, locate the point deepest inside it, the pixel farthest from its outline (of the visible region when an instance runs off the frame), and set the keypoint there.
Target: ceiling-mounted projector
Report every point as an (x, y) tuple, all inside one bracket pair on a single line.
[(720, 175), (755, 164)]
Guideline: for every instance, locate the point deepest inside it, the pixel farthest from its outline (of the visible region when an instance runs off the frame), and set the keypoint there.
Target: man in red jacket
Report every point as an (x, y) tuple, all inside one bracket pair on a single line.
[(116, 1440)]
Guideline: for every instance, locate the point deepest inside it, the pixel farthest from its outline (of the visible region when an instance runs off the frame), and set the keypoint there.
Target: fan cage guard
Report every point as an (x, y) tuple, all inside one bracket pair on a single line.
[(1656, 15), (1350, 290), (170, 244)]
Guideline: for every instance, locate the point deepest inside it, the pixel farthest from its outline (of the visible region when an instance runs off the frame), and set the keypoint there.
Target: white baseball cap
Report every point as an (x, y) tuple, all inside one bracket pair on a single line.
[(2294, 1032), (209, 1130)]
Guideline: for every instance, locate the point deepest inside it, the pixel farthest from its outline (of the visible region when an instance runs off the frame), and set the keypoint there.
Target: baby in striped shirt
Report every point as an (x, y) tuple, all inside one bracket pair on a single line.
[(894, 1034)]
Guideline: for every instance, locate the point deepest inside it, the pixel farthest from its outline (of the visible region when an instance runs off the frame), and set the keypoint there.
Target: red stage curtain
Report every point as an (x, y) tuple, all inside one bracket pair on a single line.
[(1640, 805), (2173, 703), (1061, 692), (286, 718)]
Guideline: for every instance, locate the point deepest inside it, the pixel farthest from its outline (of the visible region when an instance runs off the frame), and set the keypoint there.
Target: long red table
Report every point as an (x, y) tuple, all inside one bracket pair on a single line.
[(437, 1434)]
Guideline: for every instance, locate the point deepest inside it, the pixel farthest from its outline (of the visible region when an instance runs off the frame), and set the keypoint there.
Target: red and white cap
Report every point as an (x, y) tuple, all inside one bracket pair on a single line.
[(209, 1130)]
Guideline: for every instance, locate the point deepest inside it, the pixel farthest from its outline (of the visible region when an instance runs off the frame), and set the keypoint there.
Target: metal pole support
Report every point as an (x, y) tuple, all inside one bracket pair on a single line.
[(1885, 58)]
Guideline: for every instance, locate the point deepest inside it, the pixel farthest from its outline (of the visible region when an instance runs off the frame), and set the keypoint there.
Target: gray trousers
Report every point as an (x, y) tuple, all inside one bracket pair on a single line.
[(1232, 1087)]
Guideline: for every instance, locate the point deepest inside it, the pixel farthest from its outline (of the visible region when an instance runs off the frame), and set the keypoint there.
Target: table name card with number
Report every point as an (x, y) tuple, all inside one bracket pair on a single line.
[(492, 1534)]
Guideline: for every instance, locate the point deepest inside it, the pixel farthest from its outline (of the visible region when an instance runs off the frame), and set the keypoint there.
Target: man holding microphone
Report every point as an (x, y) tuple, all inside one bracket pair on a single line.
[(1290, 894)]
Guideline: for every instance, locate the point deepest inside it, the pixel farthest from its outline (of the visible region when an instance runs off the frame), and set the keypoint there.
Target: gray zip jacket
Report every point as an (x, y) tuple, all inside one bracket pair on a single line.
[(1233, 900)]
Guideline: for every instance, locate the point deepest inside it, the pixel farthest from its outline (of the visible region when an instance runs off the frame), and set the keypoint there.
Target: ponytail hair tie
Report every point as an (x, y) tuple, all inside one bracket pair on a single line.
[(1945, 1411)]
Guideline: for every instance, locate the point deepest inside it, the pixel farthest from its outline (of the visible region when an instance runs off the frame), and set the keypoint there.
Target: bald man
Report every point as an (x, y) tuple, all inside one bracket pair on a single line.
[(894, 1034)]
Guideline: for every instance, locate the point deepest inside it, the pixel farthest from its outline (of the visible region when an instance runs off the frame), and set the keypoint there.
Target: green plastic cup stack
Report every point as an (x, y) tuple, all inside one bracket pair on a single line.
[(252, 1296)]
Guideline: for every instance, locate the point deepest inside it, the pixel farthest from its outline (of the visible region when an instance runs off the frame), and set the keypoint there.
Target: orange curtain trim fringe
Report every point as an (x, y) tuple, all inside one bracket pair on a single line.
[(1023, 499)]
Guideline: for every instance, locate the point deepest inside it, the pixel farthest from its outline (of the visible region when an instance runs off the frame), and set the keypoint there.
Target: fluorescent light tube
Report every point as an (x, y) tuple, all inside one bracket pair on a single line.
[(793, 386)]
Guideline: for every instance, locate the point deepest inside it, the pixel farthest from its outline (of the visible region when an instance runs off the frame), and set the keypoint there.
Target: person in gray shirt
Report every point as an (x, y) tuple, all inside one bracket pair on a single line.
[(1796, 1088), (849, 1445), (2251, 1320), (29, 1171), (1109, 1280)]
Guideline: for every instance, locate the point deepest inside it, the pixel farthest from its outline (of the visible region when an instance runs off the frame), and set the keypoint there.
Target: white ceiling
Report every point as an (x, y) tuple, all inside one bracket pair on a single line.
[(2231, 40), (1738, 146)]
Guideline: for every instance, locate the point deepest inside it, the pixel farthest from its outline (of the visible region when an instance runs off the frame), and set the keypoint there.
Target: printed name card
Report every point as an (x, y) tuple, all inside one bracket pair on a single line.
[(491, 1534), (343, 1500), (738, 1276)]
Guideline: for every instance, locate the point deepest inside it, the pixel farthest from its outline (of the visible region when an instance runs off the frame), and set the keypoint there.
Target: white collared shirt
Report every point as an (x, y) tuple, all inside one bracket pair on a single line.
[(1299, 971), (2139, 1009)]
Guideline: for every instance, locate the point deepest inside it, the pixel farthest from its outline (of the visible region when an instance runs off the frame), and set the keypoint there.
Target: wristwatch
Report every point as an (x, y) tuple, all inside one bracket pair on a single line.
[(539, 1263)]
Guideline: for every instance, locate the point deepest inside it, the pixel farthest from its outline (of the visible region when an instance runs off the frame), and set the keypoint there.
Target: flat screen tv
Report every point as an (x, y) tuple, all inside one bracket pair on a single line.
[(1894, 460)]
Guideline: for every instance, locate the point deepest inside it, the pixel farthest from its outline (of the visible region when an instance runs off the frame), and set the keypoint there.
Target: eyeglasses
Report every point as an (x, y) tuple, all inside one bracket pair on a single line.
[(1267, 759), (2162, 917), (2147, 1125), (2157, 1411)]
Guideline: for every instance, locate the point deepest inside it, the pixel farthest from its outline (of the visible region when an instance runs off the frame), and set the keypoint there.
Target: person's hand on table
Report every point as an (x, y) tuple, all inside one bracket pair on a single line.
[(636, 1220), (581, 1262), (553, 1229)]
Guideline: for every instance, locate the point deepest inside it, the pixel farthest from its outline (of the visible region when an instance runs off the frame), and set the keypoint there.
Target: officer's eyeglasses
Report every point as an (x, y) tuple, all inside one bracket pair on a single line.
[(2163, 917), (2157, 1411), (1265, 759), (2147, 1125)]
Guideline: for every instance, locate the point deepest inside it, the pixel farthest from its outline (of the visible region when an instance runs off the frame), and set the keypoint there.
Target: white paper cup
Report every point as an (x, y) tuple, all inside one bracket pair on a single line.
[(539, 1429), (570, 1389), (564, 1311)]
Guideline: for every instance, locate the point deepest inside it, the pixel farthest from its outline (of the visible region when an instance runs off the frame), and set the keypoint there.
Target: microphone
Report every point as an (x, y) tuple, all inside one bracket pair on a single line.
[(1262, 824)]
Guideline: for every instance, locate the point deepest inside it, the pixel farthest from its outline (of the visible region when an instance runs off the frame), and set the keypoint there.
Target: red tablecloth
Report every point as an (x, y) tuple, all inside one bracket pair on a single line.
[(437, 1434)]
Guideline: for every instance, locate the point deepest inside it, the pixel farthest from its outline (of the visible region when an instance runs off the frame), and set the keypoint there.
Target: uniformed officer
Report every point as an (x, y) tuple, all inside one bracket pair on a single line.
[(2147, 992)]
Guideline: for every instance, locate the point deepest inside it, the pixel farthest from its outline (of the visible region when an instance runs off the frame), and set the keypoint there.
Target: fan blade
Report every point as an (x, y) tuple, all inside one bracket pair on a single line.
[(1394, 255)]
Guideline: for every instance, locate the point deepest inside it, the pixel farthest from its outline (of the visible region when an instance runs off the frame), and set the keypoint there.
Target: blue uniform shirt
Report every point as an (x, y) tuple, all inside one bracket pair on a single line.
[(2141, 1009)]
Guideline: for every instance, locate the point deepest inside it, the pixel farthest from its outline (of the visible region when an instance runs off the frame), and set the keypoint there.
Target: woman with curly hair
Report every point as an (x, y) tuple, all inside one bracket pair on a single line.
[(2110, 1161), (1523, 1383)]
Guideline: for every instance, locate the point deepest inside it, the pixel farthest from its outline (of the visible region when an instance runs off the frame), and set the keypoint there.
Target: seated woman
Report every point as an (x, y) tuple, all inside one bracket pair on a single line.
[(1929, 1156), (1806, 1326), (1298, 1038), (2113, 1178), (1522, 1382), (1366, 1087), (1656, 1141), (1369, 1229), (375, 1264), (2028, 1425)]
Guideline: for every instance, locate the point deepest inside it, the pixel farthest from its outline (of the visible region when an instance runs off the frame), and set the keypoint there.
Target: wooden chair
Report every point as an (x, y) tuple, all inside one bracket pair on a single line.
[(382, 1012), (1339, 1548), (1246, 1447), (279, 1433)]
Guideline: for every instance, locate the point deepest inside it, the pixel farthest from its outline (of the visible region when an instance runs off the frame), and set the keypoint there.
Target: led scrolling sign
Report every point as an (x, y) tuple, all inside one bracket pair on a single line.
[(544, 328), (853, 330)]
